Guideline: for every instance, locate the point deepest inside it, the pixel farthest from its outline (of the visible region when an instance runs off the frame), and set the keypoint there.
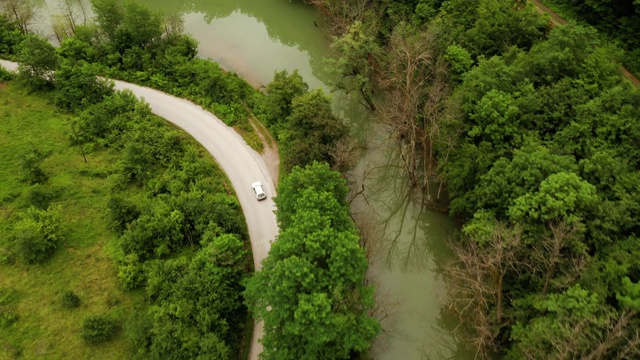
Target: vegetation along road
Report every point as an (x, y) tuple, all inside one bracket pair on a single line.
[(242, 165)]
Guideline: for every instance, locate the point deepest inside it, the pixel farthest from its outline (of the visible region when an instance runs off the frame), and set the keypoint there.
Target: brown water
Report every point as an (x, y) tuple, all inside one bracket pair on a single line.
[(255, 38)]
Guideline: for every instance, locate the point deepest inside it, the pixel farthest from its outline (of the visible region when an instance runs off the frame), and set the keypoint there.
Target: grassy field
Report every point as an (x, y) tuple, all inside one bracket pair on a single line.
[(33, 322)]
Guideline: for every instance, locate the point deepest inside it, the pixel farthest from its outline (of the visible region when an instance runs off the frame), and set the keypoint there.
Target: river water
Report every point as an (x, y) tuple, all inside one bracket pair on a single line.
[(255, 38)]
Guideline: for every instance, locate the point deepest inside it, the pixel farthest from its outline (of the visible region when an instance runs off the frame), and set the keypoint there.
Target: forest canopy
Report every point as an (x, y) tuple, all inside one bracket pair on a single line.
[(535, 133)]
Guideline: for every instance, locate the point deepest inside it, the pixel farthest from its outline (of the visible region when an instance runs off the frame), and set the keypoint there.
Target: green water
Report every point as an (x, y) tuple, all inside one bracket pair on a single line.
[(255, 38)]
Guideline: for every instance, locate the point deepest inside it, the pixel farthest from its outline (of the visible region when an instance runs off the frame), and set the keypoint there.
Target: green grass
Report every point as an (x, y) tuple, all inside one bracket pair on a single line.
[(33, 322)]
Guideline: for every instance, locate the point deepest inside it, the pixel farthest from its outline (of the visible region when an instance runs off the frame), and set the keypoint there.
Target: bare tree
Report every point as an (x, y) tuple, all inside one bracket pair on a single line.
[(476, 280), (22, 12), (560, 256), (73, 13), (173, 24), (416, 92), (341, 13), (621, 333)]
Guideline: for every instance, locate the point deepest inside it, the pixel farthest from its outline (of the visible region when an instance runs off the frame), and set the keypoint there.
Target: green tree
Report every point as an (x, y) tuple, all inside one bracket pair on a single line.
[(560, 196), (501, 24), (460, 60), (354, 66), (311, 293), (109, 15), (38, 61), (139, 28), (77, 86), (311, 130), (318, 176), (280, 94)]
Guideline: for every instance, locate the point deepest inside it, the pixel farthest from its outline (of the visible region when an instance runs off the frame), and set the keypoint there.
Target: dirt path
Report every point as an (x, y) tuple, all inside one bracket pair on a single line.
[(557, 20)]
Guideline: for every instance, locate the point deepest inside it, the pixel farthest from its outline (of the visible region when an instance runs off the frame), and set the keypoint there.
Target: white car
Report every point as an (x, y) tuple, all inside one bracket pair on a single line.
[(257, 188)]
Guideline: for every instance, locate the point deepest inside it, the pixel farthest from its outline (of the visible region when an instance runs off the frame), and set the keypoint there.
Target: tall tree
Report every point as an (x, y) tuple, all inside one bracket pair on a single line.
[(311, 130), (311, 293), (354, 66)]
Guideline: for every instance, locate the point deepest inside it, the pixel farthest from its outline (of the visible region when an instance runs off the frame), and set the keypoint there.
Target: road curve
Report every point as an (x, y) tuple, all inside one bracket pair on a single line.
[(242, 165)]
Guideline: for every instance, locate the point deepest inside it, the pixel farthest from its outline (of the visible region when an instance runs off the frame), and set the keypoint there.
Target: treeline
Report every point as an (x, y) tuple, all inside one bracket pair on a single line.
[(180, 235), (128, 41), (311, 292), (534, 132)]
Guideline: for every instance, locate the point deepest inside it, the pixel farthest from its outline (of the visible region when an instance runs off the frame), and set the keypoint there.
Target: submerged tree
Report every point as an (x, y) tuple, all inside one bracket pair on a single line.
[(21, 12)]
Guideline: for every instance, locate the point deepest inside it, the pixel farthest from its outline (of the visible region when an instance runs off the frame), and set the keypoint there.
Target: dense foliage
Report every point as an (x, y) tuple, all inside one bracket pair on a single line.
[(535, 133), (135, 44), (184, 207), (311, 292), (37, 234), (303, 121), (619, 19)]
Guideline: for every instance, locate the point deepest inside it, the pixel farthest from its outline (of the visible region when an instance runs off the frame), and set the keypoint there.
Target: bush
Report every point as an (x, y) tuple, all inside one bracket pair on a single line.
[(40, 196), (7, 257), (37, 234), (98, 329), (31, 172), (5, 74), (70, 300), (130, 272)]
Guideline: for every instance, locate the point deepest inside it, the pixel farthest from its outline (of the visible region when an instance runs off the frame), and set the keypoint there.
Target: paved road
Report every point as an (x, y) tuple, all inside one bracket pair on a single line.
[(242, 165)]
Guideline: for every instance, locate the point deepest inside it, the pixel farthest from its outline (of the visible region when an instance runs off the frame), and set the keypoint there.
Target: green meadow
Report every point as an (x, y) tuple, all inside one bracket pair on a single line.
[(33, 321)]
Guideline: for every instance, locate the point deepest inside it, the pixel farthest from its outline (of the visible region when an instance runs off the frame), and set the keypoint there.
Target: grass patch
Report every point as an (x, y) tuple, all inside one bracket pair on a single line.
[(37, 324)]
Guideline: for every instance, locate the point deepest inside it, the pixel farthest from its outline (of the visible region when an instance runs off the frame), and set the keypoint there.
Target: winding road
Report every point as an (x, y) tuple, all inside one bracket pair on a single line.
[(241, 163)]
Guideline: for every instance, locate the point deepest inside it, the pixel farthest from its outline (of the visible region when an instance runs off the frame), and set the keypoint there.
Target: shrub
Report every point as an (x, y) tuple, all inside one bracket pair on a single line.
[(5, 74), (7, 257), (39, 196), (37, 234), (31, 172), (98, 329), (70, 300), (130, 272), (8, 299)]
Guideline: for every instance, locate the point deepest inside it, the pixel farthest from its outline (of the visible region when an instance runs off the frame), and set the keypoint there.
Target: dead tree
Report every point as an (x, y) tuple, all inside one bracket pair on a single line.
[(476, 283), (560, 257), (416, 100), (22, 12)]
